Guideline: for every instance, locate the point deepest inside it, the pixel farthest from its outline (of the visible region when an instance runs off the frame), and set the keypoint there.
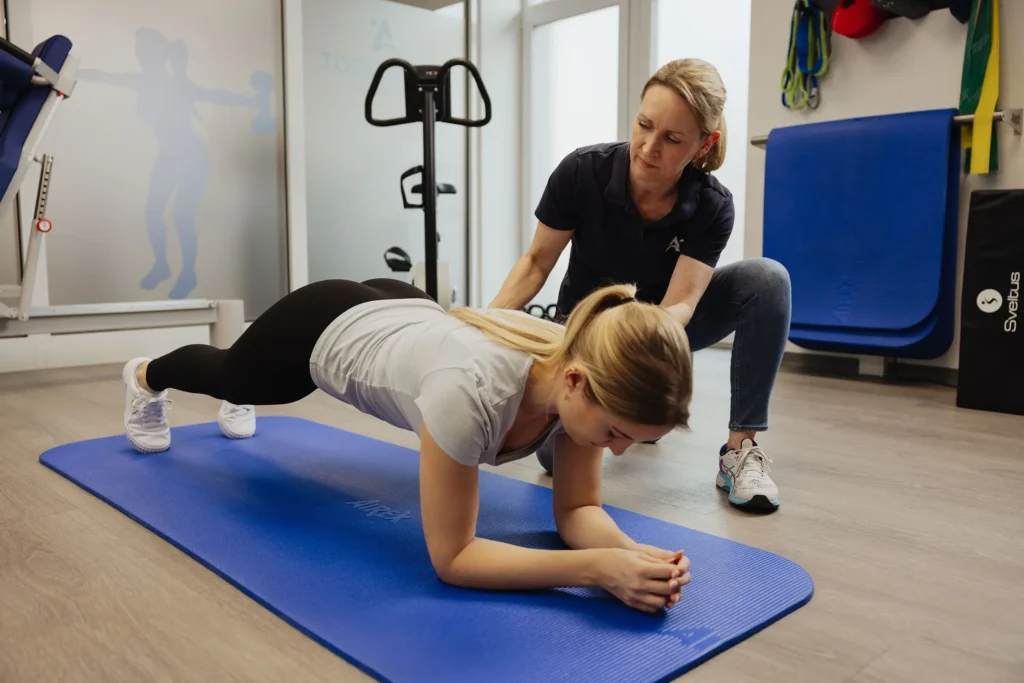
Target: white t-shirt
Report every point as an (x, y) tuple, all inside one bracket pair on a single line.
[(401, 360)]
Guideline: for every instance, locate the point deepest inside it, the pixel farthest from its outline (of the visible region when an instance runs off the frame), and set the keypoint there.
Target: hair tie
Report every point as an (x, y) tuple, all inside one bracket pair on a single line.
[(616, 304)]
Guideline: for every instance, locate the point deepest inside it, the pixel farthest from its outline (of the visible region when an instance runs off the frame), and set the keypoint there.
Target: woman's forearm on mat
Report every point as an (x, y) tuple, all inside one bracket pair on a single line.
[(493, 565), (589, 526)]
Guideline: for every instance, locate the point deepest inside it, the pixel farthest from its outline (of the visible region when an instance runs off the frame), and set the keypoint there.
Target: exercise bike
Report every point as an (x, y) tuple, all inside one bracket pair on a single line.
[(427, 101)]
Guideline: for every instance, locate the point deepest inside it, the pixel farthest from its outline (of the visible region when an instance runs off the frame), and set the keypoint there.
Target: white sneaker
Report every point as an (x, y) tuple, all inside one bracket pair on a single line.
[(236, 422), (145, 415), (744, 474)]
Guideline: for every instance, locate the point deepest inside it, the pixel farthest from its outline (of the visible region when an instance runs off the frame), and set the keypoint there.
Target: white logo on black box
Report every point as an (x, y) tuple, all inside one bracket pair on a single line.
[(990, 300), (1012, 302)]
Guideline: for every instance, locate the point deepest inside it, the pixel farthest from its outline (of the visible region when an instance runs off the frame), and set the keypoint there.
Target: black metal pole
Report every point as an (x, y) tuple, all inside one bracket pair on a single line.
[(430, 192)]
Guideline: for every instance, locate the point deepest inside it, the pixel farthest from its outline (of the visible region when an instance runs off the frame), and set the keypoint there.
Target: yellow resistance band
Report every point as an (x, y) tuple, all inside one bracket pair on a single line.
[(981, 136)]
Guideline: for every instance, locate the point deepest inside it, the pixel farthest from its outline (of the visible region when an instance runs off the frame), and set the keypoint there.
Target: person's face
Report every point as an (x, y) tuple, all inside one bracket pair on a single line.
[(588, 424), (666, 137)]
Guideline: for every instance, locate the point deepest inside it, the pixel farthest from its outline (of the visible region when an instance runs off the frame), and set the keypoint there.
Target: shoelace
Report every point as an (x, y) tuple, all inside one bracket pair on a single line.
[(754, 458), (231, 410), (150, 410)]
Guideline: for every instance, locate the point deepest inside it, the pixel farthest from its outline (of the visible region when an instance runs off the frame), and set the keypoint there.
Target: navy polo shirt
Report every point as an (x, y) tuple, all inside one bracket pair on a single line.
[(588, 193)]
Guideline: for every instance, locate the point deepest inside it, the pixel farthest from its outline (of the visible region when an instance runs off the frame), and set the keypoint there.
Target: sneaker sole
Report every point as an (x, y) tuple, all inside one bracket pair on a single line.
[(759, 503), (234, 435), (145, 449)]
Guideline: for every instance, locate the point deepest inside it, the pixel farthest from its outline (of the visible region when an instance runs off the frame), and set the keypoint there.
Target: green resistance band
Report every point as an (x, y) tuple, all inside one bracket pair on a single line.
[(808, 56)]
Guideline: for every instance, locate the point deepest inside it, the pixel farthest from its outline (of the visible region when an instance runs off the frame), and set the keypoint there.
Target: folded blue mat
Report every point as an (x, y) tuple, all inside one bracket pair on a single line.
[(863, 213), (322, 527)]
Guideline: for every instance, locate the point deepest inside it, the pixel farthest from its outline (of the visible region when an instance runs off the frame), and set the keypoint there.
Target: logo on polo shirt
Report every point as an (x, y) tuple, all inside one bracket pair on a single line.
[(674, 244)]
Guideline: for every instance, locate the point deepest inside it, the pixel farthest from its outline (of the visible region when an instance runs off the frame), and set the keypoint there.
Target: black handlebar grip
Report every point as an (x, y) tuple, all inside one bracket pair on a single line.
[(385, 65), (480, 86)]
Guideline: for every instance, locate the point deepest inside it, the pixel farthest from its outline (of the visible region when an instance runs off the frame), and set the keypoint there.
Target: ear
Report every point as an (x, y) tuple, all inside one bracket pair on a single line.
[(575, 378), (709, 142)]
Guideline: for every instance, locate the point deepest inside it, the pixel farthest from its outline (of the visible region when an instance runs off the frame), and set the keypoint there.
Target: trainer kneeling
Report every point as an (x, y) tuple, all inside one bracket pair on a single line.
[(648, 211)]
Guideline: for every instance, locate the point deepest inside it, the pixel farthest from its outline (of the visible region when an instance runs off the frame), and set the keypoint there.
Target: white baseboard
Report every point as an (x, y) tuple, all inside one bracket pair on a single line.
[(45, 351)]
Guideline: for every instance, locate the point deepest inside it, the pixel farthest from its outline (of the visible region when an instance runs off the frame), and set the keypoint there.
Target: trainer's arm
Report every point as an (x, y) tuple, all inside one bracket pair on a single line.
[(576, 498), (696, 265), (690, 280), (531, 271), (449, 499)]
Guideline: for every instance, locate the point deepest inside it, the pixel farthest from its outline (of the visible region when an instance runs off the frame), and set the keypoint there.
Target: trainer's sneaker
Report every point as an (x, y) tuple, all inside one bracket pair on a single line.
[(743, 472), (145, 413), (236, 422)]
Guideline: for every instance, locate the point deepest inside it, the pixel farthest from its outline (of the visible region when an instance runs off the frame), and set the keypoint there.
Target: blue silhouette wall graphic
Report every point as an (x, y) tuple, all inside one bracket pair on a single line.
[(167, 102)]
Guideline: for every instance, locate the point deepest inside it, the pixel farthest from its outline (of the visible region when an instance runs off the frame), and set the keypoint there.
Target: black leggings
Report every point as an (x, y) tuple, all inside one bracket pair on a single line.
[(269, 363)]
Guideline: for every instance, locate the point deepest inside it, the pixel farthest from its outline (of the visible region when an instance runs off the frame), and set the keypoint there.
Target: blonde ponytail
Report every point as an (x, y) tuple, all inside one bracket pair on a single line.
[(636, 355)]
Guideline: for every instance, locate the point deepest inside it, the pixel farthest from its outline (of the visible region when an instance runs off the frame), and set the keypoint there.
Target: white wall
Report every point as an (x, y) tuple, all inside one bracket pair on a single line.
[(501, 136), (905, 66), (96, 215)]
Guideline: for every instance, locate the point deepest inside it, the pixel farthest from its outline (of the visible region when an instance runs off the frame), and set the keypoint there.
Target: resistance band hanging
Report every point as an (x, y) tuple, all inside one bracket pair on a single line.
[(807, 58), (979, 88)]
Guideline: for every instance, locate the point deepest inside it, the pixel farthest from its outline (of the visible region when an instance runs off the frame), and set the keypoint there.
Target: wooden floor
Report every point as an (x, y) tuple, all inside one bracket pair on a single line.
[(905, 510)]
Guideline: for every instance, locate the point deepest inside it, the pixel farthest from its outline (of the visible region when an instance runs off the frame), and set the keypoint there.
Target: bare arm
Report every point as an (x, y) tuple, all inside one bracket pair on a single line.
[(579, 517), (583, 523), (449, 497), (531, 271), (690, 280)]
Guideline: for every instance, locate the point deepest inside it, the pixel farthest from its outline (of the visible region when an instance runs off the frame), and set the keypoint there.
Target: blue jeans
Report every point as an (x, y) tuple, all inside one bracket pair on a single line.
[(752, 298)]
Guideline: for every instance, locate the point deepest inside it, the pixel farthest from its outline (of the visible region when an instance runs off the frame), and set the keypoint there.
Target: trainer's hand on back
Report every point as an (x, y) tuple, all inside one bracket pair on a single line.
[(641, 581)]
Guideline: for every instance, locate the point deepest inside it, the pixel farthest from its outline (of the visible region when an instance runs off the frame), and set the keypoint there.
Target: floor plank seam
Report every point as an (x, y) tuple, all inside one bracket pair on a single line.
[(859, 671)]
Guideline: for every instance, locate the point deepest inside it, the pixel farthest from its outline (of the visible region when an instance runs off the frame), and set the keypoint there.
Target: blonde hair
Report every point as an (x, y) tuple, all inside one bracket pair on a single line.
[(635, 355), (701, 87)]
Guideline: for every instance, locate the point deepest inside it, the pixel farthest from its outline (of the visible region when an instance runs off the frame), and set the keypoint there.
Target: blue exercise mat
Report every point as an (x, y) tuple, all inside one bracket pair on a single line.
[(863, 213), (322, 527)]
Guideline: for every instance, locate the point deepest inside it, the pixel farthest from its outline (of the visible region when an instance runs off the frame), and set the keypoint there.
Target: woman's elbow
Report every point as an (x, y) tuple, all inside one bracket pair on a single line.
[(446, 566), (443, 569)]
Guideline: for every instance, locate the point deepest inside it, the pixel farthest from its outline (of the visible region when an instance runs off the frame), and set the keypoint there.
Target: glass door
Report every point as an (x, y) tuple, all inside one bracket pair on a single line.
[(679, 31), (571, 97), (354, 170)]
